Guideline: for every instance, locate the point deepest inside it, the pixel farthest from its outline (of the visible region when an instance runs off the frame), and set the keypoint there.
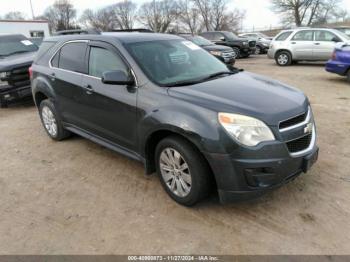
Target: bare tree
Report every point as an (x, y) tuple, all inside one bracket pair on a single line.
[(305, 12), (15, 16), (103, 19), (125, 14), (61, 15), (204, 7), (232, 21), (158, 15), (189, 16)]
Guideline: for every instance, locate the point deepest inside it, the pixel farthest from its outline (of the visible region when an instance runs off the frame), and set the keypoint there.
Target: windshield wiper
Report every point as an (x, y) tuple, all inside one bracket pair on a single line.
[(215, 75), (184, 83)]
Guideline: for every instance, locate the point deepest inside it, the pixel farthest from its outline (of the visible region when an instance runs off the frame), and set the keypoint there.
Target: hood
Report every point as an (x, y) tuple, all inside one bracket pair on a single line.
[(247, 94), (14, 61), (217, 48)]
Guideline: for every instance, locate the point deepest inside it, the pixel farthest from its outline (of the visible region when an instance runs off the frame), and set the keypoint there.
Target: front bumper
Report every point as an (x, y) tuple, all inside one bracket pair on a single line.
[(10, 93), (249, 177)]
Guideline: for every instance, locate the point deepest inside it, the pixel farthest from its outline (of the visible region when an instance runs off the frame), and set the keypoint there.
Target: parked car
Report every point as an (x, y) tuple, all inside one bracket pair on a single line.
[(344, 29), (168, 103), (223, 53), (242, 47), (305, 44), (340, 62), (16, 56), (262, 42)]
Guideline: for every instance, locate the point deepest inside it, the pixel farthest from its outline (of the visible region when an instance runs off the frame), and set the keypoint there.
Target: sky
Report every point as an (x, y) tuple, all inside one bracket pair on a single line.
[(258, 12)]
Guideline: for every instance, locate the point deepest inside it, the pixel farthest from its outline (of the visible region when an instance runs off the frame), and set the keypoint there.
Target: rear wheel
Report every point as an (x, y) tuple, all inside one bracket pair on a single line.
[(258, 50), (182, 170), (284, 58), (236, 52), (51, 121)]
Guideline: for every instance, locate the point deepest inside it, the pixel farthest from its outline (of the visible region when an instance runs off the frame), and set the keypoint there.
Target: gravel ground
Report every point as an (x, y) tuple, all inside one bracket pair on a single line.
[(76, 197)]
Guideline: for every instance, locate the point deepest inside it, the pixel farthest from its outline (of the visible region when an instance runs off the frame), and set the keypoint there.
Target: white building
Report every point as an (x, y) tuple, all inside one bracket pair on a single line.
[(28, 28)]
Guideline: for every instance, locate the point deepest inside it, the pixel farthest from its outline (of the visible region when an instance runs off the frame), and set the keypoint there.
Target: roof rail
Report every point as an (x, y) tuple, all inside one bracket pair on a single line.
[(141, 30)]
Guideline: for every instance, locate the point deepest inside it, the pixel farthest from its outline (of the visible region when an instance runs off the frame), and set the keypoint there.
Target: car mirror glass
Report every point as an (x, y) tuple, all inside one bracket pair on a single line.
[(117, 77)]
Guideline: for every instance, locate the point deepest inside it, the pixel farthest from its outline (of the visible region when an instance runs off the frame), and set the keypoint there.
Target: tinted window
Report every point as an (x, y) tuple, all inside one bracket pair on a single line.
[(14, 44), (45, 46), (283, 36), (325, 36), (304, 36), (55, 59), (102, 60), (72, 57), (208, 36), (218, 36)]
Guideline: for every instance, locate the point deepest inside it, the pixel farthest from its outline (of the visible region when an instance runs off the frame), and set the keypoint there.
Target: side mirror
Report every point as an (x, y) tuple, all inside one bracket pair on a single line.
[(222, 38), (117, 77), (336, 39)]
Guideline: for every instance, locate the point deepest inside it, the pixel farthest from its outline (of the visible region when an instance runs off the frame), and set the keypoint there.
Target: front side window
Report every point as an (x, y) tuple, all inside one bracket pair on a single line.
[(16, 44), (72, 57), (325, 36), (306, 35), (283, 36), (169, 62), (103, 60), (201, 41)]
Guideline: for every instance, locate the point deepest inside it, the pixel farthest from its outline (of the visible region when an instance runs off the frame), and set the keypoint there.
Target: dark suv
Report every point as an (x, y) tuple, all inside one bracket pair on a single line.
[(168, 103), (16, 56), (242, 47)]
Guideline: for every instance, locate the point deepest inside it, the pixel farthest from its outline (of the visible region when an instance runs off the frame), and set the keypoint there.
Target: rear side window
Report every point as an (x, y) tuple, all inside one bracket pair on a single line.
[(72, 57), (283, 36), (307, 35), (103, 60), (325, 36)]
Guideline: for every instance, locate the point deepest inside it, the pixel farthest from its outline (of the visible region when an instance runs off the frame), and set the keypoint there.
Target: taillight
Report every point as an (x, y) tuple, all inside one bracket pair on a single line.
[(334, 56), (30, 70)]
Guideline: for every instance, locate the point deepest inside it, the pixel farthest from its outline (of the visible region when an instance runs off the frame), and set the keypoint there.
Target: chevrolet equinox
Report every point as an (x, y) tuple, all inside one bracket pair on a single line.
[(166, 102)]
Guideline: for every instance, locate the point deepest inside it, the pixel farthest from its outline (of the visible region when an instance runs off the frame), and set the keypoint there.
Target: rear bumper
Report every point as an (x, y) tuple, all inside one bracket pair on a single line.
[(337, 67), (15, 93), (244, 179)]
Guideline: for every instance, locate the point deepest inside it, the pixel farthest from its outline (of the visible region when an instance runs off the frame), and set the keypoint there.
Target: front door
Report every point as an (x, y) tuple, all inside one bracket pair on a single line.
[(111, 108)]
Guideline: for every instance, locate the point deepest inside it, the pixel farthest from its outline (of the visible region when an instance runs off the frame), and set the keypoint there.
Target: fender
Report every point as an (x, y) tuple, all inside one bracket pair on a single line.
[(42, 85)]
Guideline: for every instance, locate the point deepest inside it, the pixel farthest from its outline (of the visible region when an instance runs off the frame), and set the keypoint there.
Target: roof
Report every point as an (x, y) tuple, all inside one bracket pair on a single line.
[(23, 21), (122, 37)]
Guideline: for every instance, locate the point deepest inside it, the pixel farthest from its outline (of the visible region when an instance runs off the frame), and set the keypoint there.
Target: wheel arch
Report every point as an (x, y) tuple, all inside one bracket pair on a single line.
[(283, 50)]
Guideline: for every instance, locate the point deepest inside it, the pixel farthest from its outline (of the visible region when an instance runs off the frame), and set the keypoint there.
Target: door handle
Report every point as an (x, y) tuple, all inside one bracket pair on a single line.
[(53, 76), (293, 43), (317, 43), (88, 89)]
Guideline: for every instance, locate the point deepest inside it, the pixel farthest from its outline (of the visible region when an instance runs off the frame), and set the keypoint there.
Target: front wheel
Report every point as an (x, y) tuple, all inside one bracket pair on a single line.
[(182, 170), (284, 58), (236, 52)]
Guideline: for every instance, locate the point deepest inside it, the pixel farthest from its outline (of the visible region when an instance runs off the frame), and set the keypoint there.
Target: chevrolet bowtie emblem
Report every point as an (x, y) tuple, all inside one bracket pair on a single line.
[(308, 129)]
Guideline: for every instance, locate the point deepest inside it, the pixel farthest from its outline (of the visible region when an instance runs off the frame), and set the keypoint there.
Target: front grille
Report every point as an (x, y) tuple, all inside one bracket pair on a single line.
[(252, 43), (228, 54), (293, 121), (299, 144), (19, 77)]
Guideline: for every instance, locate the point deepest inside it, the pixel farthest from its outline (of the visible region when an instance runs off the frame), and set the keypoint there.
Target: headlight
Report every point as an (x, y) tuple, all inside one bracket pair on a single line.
[(216, 53), (245, 43), (246, 130)]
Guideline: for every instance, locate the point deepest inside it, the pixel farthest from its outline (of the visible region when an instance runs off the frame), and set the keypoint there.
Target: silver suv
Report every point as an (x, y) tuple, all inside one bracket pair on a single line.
[(306, 44)]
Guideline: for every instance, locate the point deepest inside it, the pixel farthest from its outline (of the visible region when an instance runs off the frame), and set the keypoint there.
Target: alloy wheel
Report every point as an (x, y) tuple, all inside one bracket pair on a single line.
[(283, 59), (49, 121), (175, 172)]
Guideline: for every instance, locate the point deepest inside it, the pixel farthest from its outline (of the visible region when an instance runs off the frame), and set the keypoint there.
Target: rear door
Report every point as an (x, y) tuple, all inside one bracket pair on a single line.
[(324, 44), (68, 66), (111, 108), (302, 45)]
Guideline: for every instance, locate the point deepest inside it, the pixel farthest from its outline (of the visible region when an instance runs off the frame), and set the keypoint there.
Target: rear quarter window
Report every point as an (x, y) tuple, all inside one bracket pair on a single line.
[(44, 48)]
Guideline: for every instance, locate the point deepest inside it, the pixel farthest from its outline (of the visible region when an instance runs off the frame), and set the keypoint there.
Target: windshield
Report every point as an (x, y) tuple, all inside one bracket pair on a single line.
[(230, 35), (201, 41), (170, 62), (345, 36), (10, 45)]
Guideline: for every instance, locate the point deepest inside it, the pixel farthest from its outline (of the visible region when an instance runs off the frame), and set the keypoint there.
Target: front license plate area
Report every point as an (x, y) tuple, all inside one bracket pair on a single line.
[(309, 161)]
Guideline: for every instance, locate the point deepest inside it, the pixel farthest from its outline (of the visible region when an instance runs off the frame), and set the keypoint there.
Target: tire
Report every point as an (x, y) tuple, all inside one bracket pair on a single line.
[(187, 187), (237, 52), (284, 58), (3, 103), (51, 121), (258, 50)]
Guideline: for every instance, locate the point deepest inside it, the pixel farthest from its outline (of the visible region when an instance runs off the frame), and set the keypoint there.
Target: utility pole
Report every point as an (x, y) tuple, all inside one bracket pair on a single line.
[(31, 7)]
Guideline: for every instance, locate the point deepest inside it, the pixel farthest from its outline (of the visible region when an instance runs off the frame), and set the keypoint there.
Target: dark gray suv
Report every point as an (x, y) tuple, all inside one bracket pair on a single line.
[(168, 103)]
